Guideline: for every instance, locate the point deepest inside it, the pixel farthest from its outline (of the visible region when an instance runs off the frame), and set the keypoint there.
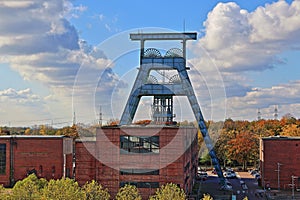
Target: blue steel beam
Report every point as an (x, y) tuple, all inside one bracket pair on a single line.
[(142, 88)]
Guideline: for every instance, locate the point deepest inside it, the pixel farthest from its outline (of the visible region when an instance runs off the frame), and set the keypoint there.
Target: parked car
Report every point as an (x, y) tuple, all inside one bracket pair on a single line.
[(253, 172), (229, 173), (202, 175)]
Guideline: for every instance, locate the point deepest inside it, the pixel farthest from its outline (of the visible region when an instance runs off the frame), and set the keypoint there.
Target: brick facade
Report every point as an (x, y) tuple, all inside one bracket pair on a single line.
[(43, 155), (168, 154), (85, 161), (282, 151), (175, 161)]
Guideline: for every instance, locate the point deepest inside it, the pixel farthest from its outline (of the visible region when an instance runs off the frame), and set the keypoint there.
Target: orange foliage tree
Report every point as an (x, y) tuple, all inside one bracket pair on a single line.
[(243, 148)]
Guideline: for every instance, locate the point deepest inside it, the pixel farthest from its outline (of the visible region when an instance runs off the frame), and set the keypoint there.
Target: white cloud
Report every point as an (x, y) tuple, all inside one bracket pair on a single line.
[(236, 41), (239, 40), (21, 107), (22, 96), (285, 95), (17, 4), (42, 46)]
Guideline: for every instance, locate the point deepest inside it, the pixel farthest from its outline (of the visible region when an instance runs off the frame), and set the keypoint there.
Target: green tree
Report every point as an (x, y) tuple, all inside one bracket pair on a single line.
[(63, 189), (28, 188), (94, 191), (169, 191), (128, 192), (3, 193)]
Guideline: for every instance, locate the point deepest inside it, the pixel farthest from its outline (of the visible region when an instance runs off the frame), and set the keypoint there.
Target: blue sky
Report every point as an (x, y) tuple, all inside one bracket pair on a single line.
[(59, 57)]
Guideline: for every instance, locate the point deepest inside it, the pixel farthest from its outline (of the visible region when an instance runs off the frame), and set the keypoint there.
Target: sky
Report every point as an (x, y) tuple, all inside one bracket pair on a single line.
[(62, 57)]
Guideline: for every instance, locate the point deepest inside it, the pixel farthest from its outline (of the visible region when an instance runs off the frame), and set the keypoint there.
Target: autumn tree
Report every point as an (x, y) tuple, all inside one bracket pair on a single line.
[(243, 148), (221, 146), (68, 131), (169, 191), (94, 191), (113, 122), (128, 192), (291, 130), (27, 131), (143, 122)]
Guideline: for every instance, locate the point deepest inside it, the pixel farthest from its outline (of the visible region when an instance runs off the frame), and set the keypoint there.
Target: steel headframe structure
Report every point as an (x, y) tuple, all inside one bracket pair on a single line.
[(174, 59)]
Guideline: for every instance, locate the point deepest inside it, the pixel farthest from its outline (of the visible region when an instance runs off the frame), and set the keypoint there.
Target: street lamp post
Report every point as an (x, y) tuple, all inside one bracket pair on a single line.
[(293, 186), (278, 175)]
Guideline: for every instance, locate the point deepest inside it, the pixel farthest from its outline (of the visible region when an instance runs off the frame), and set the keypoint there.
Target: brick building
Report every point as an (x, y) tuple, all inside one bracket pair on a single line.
[(147, 157), (279, 161), (46, 156)]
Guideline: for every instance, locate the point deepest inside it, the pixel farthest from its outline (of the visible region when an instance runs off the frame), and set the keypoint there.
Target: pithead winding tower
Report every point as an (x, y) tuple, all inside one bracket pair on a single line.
[(163, 92)]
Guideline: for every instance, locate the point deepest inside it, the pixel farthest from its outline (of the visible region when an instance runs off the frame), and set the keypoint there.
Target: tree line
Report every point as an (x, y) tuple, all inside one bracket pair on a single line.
[(32, 188), (237, 142)]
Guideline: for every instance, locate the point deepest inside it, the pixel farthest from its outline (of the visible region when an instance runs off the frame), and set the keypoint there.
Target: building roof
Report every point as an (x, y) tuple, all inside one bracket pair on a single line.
[(147, 126), (280, 138), (33, 136)]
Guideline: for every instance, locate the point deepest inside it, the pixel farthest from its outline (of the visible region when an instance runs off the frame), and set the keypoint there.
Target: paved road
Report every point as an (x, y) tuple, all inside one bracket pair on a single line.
[(251, 190)]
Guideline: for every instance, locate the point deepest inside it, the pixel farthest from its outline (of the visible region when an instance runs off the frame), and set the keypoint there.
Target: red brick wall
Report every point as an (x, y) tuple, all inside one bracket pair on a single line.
[(85, 162), (173, 141), (43, 154), (33, 153), (285, 151)]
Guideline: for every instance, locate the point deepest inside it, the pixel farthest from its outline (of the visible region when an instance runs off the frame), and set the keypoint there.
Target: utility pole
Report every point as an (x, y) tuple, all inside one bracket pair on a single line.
[(100, 117)]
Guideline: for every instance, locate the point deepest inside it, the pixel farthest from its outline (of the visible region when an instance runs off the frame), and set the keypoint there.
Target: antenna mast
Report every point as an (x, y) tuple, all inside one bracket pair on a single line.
[(276, 112), (258, 115), (74, 118)]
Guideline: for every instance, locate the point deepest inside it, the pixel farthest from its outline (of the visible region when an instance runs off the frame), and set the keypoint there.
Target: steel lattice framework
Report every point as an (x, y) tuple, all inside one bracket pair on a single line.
[(175, 59)]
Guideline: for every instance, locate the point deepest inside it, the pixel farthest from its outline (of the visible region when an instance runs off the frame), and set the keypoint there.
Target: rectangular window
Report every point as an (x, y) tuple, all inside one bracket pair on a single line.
[(2, 158), (139, 172), (140, 184), (134, 144)]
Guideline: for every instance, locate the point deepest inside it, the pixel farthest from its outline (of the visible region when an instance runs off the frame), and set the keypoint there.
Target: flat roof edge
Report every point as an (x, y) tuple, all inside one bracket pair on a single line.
[(34, 136)]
